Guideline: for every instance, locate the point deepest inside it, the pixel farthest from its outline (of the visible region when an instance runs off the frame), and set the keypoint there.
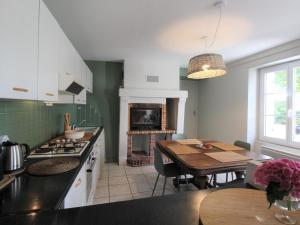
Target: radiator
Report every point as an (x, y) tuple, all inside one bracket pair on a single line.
[(276, 154)]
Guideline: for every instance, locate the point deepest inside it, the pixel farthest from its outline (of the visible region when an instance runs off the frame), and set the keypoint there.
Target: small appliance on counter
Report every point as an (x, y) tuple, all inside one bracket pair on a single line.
[(13, 156)]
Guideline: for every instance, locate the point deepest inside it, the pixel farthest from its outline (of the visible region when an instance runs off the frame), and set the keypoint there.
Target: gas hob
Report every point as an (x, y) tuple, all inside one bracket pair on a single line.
[(60, 147)]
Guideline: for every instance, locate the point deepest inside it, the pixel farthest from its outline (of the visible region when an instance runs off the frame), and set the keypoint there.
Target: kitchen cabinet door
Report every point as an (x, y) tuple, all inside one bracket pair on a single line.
[(81, 98), (48, 55), (76, 196), (19, 49), (81, 78), (64, 68)]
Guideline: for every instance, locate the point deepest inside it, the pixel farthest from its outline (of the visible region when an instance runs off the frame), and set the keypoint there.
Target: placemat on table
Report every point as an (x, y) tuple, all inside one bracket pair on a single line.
[(189, 141), (227, 156), (226, 147), (180, 149)]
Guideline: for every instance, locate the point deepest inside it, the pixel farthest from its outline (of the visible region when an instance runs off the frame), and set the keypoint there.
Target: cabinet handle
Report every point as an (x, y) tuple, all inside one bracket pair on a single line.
[(49, 94), (20, 89), (78, 182)]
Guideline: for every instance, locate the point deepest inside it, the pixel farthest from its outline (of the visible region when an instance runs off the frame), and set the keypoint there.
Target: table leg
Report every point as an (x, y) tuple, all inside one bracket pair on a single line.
[(214, 180), (201, 182)]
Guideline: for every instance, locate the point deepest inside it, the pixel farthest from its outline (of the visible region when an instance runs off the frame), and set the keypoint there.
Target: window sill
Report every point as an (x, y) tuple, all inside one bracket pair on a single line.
[(293, 152)]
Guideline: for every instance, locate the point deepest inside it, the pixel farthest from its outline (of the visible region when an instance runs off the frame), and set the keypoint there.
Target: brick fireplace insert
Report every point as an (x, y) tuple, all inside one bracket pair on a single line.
[(145, 122)]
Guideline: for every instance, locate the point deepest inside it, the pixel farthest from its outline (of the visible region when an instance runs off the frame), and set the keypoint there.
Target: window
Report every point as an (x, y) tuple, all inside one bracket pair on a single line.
[(280, 104)]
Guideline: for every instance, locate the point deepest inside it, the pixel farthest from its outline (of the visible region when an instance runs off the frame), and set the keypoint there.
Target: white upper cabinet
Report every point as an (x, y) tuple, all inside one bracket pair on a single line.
[(64, 68), (38, 61), (81, 78), (89, 80), (81, 98), (48, 55), (19, 48)]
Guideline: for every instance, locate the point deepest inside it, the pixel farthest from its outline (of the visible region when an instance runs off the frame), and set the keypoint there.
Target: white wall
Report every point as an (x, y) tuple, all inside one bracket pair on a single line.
[(223, 102), (137, 70)]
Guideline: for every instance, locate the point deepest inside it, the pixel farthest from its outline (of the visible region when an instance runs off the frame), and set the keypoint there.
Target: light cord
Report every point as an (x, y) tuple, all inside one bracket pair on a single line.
[(217, 28)]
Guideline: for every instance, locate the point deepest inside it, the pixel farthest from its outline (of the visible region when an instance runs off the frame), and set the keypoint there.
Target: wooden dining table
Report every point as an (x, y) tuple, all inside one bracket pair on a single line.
[(193, 160)]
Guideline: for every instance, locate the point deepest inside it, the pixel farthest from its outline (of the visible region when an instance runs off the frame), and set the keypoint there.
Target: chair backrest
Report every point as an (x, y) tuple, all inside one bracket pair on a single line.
[(178, 136), (158, 161), (242, 144)]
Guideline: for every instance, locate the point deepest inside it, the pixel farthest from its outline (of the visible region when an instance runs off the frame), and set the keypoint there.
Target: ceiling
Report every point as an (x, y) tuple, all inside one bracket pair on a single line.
[(174, 29)]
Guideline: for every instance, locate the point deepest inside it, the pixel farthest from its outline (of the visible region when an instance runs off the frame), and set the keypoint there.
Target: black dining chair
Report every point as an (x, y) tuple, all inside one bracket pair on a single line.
[(238, 143), (246, 146), (239, 174), (178, 136), (167, 170)]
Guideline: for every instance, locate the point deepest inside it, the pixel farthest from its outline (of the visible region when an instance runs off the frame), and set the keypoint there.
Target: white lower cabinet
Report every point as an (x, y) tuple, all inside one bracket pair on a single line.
[(102, 152), (76, 196), (97, 149)]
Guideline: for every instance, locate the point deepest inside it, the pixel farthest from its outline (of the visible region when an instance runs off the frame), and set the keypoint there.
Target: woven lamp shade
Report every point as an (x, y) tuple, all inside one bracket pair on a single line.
[(206, 66)]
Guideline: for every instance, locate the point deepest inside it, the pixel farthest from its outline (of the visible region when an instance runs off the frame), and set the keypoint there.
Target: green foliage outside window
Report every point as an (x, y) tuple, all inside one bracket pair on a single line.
[(298, 118), (298, 79), (281, 79), (280, 112)]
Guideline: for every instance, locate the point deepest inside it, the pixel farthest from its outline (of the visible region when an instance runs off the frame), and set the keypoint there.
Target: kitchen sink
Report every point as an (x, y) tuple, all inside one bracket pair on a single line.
[(93, 130)]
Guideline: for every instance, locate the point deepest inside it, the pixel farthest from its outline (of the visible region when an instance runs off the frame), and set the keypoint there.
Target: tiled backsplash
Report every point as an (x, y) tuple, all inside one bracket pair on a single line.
[(33, 122), (89, 112)]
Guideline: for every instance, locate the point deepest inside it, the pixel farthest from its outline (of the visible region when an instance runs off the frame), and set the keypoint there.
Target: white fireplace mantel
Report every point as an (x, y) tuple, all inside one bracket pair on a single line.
[(149, 96), (152, 93)]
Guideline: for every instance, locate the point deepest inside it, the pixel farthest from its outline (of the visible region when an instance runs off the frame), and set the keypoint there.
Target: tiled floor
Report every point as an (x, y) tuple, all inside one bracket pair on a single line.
[(121, 183)]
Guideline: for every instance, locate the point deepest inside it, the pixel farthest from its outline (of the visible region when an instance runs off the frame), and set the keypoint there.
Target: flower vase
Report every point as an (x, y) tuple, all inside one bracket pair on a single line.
[(288, 204)]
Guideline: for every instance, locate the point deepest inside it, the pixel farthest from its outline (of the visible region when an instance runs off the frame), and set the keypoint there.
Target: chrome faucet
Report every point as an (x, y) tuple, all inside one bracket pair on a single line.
[(74, 125), (83, 121)]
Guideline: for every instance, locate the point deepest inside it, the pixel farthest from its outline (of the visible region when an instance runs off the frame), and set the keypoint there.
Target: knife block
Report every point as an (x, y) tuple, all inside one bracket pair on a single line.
[(67, 125)]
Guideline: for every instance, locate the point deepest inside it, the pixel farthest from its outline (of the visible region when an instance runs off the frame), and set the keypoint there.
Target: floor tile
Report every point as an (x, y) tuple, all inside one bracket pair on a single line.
[(113, 166), (137, 178), (142, 195), (104, 174), (102, 182), (133, 170), (148, 169), (120, 198), (140, 187), (122, 189), (98, 201), (118, 180), (101, 192), (116, 172)]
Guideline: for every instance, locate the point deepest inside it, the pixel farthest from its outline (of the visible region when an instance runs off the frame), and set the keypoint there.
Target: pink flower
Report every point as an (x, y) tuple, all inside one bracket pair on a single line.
[(283, 171)]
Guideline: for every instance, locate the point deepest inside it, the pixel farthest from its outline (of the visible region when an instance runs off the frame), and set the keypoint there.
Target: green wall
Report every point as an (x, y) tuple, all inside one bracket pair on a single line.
[(106, 81), (183, 73), (89, 112), (32, 122)]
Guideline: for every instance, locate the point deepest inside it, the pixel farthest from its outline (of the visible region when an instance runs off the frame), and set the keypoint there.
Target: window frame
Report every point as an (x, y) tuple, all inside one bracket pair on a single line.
[(288, 141)]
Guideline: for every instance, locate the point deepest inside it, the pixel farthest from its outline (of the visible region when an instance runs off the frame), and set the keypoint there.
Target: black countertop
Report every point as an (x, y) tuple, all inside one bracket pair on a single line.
[(177, 209), (39, 193)]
